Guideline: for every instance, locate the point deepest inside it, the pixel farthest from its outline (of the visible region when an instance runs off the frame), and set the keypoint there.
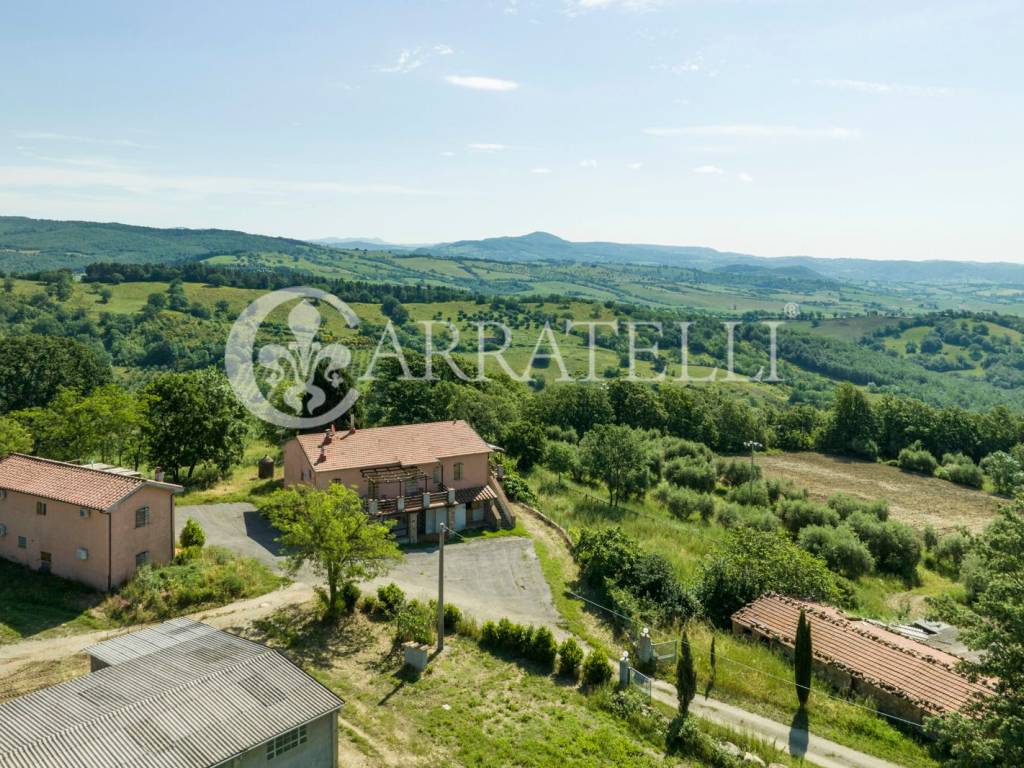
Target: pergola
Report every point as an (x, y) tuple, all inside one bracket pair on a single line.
[(393, 473)]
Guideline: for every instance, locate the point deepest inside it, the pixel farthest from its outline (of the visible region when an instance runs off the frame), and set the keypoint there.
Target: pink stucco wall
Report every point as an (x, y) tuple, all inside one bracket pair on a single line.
[(63, 530)]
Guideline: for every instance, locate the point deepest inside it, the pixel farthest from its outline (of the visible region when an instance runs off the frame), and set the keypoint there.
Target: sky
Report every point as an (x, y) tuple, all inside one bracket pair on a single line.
[(773, 127)]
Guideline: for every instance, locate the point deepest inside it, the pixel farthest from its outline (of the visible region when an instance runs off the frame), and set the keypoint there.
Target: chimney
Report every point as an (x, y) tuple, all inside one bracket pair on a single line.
[(158, 474), (327, 437), (351, 422), (333, 429)]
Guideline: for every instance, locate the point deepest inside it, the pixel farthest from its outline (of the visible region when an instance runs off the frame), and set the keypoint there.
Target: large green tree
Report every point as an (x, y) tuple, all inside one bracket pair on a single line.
[(14, 438), (193, 419), (618, 456), (330, 531), (33, 368), (850, 426), (990, 734)]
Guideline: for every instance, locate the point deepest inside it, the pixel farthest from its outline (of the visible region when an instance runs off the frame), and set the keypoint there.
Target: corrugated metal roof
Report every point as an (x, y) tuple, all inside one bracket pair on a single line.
[(134, 644), (403, 445), (926, 677), (193, 704)]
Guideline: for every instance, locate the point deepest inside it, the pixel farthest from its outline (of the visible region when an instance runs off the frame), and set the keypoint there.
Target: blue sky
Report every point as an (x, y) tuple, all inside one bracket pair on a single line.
[(880, 130)]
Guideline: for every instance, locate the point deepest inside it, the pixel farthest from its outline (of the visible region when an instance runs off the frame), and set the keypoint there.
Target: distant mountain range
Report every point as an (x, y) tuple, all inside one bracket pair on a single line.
[(32, 244)]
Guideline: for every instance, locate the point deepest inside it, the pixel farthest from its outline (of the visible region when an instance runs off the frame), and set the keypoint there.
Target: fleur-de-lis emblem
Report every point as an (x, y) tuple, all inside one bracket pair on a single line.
[(296, 363)]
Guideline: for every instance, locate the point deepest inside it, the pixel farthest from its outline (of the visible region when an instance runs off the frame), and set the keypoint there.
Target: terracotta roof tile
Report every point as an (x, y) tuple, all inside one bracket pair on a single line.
[(70, 483), (405, 445), (926, 677)]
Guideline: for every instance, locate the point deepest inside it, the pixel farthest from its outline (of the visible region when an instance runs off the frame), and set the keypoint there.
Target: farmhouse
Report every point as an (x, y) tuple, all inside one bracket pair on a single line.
[(418, 476), (904, 677), (179, 695), (92, 525)]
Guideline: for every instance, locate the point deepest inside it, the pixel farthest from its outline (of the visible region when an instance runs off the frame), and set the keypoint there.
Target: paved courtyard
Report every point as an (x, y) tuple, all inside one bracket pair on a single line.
[(488, 578)]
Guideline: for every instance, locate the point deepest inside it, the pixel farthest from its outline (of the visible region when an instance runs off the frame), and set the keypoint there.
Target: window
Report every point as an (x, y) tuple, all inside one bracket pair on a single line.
[(437, 475), (286, 741), (478, 512), (371, 489), (82, 553), (40, 507), (3, 530), (142, 558), (46, 557), (3, 493), (457, 471), (83, 512), (142, 517), (22, 542)]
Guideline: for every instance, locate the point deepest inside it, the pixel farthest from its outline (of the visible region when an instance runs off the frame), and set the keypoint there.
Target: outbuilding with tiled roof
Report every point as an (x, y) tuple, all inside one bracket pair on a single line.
[(96, 526), (905, 678)]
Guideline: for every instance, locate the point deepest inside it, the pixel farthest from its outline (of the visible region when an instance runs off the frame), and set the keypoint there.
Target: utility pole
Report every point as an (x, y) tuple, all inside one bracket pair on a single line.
[(753, 445), (440, 588)]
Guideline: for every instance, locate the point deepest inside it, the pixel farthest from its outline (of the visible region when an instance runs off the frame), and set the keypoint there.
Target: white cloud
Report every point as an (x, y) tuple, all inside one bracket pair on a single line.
[(143, 183), (413, 58), (540, 170), (883, 89), (447, 153), (634, 166), (488, 147), (756, 131), (589, 163), (477, 83), (72, 139), (709, 170), (576, 7), (746, 178)]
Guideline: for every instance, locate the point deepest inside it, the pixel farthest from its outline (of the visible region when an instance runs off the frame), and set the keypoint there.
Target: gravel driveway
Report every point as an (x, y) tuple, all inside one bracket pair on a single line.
[(487, 578)]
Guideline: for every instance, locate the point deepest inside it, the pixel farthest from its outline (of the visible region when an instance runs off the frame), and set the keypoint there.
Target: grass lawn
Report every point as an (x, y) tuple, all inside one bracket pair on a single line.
[(469, 708)]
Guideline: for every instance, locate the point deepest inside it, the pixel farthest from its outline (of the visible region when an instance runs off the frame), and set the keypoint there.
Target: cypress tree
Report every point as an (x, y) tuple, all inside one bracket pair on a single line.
[(802, 656), (686, 677)]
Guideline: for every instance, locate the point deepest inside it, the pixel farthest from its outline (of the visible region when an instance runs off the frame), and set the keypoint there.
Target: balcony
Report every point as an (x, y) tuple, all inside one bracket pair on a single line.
[(409, 503)]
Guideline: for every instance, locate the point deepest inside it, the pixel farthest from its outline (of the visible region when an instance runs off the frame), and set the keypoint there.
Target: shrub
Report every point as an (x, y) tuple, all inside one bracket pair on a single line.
[(452, 618), (737, 471), (750, 494), (370, 605), (684, 503), (391, 598), (414, 621), (951, 551), (192, 535), (845, 505), (350, 595), (686, 739), (931, 537), (596, 668), (633, 707), (894, 545), (633, 580), (677, 447), (797, 515), (917, 459), (784, 489), (755, 562), (489, 637), (691, 473), (570, 656), (963, 474), (840, 548), (543, 648)]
